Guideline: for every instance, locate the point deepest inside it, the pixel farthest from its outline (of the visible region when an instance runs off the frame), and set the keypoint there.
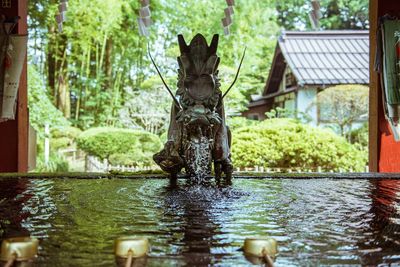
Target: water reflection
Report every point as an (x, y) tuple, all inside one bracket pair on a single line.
[(12, 195), (382, 236), (198, 228), (316, 222)]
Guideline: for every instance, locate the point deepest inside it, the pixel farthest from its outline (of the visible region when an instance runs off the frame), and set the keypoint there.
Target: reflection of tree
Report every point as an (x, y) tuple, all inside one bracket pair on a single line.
[(12, 201), (193, 205), (383, 232)]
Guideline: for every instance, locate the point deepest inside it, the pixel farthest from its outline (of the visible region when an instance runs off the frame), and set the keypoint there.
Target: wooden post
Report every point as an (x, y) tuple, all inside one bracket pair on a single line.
[(14, 134), (373, 91), (384, 152)]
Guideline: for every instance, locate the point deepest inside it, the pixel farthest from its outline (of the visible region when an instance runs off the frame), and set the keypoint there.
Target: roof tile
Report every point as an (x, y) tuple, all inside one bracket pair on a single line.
[(327, 57)]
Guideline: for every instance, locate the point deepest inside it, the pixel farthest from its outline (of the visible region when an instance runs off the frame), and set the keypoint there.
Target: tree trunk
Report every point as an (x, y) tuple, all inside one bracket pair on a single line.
[(108, 64), (63, 92), (64, 100), (51, 63)]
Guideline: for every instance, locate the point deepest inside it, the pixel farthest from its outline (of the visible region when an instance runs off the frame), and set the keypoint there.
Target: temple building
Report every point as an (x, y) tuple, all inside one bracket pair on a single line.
[(306, 63)]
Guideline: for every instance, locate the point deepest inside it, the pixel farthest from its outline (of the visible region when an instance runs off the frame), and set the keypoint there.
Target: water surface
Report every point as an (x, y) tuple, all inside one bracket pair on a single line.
[(316, 222)]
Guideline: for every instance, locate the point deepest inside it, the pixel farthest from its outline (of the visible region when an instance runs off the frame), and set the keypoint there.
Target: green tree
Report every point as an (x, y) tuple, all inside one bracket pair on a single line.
[(99, 54), (336, 14), (343, 105)]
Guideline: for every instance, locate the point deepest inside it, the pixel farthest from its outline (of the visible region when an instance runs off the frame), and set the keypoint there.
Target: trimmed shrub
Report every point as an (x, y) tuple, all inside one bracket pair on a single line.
[(120, 146), (68, 131), (238, 122), (129, 159), (60, 143), (359, 137), (286, 143)]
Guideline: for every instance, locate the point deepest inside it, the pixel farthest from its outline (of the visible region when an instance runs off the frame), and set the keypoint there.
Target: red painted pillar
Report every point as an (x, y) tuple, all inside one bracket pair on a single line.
[(14, 134), (384, 151)]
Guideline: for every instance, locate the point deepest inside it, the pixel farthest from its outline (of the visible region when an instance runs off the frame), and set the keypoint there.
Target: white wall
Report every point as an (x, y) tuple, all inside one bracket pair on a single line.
[(305, 99)]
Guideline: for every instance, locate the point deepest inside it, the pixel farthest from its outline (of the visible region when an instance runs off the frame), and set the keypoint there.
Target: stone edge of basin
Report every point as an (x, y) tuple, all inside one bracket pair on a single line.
[(143, 175)]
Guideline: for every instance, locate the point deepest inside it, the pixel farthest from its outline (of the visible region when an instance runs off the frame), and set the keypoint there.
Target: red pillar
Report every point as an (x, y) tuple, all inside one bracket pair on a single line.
[(384, 151), (14, 134)]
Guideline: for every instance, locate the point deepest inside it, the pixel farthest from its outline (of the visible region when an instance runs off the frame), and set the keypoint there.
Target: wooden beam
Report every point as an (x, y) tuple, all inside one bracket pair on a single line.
[(23, 119), (384, 150), (14, 133), (374, 96)]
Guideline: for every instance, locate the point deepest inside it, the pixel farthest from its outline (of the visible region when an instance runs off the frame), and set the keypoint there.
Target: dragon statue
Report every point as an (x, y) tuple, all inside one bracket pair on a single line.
[(198, 135)]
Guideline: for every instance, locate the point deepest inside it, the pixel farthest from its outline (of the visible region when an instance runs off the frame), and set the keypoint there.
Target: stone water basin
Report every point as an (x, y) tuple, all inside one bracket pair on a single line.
[(316, 222)]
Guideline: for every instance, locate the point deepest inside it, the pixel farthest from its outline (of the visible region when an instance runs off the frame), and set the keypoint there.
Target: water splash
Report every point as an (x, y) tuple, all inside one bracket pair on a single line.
[(198, 158)]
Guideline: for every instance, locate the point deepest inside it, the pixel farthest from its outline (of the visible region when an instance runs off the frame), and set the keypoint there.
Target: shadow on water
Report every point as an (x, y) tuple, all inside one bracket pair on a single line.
[(316, 222), (382, 242), (195, 204), (12, 195)]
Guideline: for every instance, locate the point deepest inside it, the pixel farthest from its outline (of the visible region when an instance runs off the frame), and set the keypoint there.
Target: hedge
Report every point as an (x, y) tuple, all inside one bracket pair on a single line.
[(120, 146), (286, 143)]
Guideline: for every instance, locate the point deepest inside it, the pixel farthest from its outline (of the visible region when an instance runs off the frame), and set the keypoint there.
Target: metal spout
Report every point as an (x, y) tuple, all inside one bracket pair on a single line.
[(131, 246), (261, 249), (19, 249)]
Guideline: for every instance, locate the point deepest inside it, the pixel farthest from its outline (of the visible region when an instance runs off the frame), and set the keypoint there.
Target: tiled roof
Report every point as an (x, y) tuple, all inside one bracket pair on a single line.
[(327, 57)]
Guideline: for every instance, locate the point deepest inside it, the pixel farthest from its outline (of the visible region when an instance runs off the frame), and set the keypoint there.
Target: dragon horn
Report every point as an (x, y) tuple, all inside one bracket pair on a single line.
[(237, 74), (162, 79)]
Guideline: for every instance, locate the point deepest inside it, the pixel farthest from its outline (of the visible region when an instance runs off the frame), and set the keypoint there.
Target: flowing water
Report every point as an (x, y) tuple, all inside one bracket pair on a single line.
[(316, 221)]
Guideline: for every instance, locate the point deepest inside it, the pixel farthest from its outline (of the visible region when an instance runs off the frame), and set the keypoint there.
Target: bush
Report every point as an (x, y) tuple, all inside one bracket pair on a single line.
[(60, 143), (287, 143), (238, 122), (63, 137), (164, 137), (41, 109), (120, 146), (359, 137), (68, 131), (129, 159), (55, 164)]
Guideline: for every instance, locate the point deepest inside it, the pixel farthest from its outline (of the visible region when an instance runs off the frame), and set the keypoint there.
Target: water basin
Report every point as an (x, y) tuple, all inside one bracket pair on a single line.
[(315, 221)]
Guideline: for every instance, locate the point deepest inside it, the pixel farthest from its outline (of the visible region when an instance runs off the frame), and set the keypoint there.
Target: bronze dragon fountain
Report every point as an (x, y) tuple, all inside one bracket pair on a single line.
[(197, 134)]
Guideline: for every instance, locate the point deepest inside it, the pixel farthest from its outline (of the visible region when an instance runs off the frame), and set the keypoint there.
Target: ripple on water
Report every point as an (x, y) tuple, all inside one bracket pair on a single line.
[(316, 222)]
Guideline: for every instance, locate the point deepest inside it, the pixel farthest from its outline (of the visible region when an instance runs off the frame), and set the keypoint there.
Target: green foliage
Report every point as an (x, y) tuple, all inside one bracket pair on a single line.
[(131, 159), (360, 137), (120, 146), (286, 113), (238, 122), (60, 143), (254, 25), (112, 83), (41, 109), (104, 60), (164, 137), (343, 105), (336, 14), (68, 131), (56, 164), (288, 143), (63, 137), (146, 108)]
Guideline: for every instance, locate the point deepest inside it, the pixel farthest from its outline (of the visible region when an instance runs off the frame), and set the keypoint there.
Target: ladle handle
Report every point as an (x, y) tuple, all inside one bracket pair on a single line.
[(267, 259), (129, 259), (11, 261)]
